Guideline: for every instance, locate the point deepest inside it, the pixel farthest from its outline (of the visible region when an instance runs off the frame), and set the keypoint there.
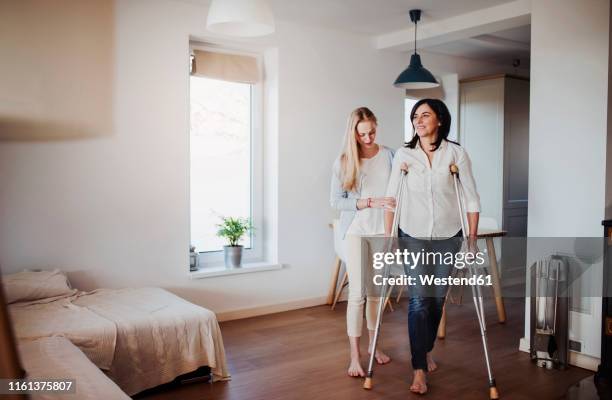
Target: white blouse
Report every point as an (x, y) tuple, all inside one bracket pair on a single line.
[(375, 176), (429, 205)]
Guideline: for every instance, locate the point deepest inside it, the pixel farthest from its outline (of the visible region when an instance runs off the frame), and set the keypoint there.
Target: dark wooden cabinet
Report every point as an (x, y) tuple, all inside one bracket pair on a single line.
[(605, 368)]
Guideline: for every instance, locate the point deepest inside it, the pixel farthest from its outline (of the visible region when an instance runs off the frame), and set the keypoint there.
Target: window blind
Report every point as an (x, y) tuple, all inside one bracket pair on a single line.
[(227, 67)]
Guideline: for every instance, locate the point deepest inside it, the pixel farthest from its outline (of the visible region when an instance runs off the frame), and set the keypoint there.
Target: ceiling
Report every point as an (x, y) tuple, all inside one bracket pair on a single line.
[(372, 17), (499, 47), (377, 17)]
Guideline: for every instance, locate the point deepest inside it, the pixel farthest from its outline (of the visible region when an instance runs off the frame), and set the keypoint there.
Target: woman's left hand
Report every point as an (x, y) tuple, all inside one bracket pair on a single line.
[(387, 203)]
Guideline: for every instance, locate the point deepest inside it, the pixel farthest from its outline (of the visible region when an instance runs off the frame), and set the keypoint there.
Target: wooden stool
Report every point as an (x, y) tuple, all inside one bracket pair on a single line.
[(335, 291)]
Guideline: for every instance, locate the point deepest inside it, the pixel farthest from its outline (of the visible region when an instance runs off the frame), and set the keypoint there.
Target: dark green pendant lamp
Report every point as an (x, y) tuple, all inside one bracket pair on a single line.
[(415, 76)]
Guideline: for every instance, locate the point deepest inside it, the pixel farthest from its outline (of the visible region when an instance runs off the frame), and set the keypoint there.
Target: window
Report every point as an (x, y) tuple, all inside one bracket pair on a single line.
[(224, 167)]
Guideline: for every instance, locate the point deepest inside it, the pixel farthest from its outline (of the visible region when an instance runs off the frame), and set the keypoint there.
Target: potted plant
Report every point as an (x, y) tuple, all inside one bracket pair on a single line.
[(233, 229)]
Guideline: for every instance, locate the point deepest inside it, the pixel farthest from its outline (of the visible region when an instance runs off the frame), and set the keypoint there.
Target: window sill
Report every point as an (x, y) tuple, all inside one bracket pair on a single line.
[(211, 272)]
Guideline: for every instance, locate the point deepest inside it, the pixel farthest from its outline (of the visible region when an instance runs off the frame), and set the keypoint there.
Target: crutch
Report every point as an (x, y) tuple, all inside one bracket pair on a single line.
[(383, 293), (476, 289)]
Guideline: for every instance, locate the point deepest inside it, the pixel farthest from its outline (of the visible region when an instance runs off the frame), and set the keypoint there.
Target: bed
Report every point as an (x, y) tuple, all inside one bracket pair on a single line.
[(57, 358), (141, 337)]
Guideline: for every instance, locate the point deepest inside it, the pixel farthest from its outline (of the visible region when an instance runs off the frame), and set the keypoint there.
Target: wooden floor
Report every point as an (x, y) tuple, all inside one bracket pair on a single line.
[(303, 354)]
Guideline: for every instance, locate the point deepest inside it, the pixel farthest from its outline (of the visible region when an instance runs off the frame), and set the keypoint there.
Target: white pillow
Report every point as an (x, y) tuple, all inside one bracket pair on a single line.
[(35, 285)]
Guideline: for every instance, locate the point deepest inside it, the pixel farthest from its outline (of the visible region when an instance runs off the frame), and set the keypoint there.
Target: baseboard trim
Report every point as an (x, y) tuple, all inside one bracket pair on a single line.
[(270, 309), (584, 361), (524, 345)]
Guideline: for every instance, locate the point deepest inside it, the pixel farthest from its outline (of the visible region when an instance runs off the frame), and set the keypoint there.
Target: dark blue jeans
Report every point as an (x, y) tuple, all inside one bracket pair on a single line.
[(425, 303)]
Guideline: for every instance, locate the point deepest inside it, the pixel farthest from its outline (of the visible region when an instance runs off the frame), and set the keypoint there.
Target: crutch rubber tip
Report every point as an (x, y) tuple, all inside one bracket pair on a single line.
[(454, 169), (493, 393), (367, 384)]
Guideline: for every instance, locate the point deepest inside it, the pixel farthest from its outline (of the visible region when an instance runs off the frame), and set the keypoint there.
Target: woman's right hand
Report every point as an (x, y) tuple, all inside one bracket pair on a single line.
[(387, 203)]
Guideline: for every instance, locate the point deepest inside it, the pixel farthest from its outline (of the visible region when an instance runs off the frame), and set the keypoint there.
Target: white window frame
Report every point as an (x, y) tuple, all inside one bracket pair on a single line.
[(256, 252), (407, 122)]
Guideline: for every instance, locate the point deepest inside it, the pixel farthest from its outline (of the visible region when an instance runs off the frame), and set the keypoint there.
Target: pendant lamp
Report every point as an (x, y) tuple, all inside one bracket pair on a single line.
[(243, 18), (415, 76)]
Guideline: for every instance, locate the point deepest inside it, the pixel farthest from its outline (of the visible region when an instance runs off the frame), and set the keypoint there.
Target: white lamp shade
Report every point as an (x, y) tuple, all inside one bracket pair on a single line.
[(244, 18)]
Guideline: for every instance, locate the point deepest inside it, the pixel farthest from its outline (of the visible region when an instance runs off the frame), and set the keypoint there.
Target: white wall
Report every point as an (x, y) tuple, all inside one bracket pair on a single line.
[(114, 211), (569, 76), (568, 129)]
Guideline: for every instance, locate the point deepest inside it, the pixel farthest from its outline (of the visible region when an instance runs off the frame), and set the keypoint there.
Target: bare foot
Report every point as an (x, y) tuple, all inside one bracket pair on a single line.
[(419, 382), (355, 368), (431, 364), (381, 357)]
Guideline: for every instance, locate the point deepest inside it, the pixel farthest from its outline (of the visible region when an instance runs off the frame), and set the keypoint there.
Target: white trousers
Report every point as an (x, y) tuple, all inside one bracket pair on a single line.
[(357, 292)]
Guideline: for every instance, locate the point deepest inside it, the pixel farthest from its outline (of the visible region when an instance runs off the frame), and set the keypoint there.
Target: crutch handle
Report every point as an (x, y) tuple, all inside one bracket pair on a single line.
[(454, 169)]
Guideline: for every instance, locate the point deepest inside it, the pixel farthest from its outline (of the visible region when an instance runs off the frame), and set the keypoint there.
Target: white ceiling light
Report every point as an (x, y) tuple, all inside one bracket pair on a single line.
[(240, 18)]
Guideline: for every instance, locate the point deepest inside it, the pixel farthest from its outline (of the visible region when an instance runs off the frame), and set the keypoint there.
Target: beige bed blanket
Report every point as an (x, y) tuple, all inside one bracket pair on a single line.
[(158, 335), (94, 335), (57, 358)]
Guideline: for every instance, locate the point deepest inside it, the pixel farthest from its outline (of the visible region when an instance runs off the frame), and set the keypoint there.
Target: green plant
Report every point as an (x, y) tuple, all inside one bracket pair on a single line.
[(233, 229)]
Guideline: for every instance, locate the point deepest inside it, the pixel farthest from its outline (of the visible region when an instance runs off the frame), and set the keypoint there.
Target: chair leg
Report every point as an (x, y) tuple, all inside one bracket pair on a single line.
[(460, 295), (399, 294), (499, 300), (450, 295), (388, 303), (452, 299), (331, 294), (442, 326), (340, 289)]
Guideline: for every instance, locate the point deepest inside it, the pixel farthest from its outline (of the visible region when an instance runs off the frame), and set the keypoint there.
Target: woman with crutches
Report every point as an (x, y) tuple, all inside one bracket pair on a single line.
[(430, 220), (358, 185)]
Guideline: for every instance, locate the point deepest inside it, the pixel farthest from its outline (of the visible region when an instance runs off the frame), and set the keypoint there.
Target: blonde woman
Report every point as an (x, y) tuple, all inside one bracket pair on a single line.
[(358, 186)]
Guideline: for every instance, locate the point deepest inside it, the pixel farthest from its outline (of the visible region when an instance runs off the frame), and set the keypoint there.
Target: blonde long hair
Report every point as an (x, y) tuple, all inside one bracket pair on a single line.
[(349, 159)]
